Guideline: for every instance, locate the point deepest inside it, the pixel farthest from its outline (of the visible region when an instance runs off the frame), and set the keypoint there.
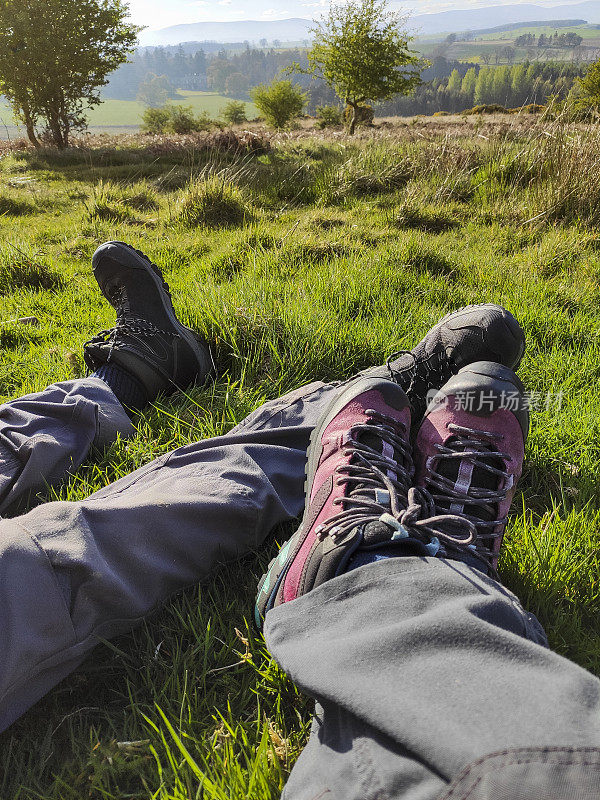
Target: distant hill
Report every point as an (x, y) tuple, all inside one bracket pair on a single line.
[(296, 30), (285, 30), (476, 19), (548, 23)]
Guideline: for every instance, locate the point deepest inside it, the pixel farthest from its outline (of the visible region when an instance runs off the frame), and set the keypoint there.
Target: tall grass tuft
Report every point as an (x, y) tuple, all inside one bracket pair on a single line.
[(113, 202), (212, 202), (11, 206), (22, 270)]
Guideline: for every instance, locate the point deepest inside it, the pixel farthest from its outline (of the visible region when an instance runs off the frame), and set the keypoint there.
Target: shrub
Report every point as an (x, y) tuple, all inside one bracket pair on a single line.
[(279, 103), (329, 116), (155, 120), (490, 108), (364, 115), (183, 120), (441, 113), (234, 113), (531, 108), (212, 202), (175, 119)]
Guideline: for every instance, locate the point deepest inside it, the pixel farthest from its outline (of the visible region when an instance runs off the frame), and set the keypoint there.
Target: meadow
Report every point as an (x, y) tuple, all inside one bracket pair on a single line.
[(300, 256), (496, 41), (120, 115)]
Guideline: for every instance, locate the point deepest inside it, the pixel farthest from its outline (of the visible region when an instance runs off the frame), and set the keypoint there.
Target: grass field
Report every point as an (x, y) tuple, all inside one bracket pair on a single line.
[(113, 114), (498, 40), (350, 249)]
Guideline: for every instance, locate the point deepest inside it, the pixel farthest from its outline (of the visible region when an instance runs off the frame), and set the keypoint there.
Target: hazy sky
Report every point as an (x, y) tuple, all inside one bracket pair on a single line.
[(158, 14)]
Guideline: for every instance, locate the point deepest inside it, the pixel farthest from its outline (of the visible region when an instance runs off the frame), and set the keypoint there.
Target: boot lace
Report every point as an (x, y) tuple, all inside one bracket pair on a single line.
[(471, 448), (379, 490), (126, 324)]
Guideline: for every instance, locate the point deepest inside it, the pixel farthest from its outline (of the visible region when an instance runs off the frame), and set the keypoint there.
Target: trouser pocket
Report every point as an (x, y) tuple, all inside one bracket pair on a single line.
[(536, 773)]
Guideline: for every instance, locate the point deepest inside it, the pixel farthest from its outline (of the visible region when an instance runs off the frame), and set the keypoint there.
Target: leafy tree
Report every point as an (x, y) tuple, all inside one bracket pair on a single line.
[(588, 88), (237, 85), (468, 84), (155, 90), (483, 87), (54, 57), (217, 73), (280, 102), (234, 112), (361, 50), (454, 81), (519, 86)]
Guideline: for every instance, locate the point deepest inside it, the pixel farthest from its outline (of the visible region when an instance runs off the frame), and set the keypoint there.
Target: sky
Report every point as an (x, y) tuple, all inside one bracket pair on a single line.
[(157, 14)]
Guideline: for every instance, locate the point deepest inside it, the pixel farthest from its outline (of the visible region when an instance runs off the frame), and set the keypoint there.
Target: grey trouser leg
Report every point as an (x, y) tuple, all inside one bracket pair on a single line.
[(432, 682), (44, 435), (73, 572)]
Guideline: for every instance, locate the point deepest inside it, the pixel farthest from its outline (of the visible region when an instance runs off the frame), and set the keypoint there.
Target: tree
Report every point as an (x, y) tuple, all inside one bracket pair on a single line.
[(519, 86), (237, 85), (468, 85), (361, 50), (484, 86), (588, 88), (279, 103), (155, 90), (454, 81), (218, 72), (54, 57)]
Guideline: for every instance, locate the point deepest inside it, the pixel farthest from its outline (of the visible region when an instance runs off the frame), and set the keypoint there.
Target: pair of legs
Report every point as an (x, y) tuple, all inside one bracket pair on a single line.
[(406, 662)]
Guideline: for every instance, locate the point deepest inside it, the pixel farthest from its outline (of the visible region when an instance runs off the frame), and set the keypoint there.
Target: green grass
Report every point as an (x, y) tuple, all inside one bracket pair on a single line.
[(345, 252), (128, 113), (491, 42)]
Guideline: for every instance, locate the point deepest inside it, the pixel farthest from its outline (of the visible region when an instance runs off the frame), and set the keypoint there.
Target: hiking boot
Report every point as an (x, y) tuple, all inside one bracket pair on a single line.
[(475, 333), (359, 495), (148, 341), (469, 455)]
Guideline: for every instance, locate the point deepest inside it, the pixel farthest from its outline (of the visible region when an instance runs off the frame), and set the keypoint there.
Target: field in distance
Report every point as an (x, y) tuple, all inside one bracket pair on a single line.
[(115, 115), (490, 42)]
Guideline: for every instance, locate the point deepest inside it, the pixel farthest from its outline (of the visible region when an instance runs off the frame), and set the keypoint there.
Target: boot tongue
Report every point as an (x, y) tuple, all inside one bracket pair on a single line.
[(376, 443), (117, 296), (464, 475)]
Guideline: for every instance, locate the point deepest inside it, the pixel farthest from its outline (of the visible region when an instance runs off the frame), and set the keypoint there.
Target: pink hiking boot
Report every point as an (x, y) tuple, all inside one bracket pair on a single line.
[(469, 455), (359, 494)]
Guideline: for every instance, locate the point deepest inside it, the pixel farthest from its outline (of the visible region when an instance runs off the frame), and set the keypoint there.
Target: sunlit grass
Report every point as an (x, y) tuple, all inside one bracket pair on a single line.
[(351, 251)]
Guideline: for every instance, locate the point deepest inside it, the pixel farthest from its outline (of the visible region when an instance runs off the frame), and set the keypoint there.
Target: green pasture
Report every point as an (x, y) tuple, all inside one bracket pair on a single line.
[(112, 113)]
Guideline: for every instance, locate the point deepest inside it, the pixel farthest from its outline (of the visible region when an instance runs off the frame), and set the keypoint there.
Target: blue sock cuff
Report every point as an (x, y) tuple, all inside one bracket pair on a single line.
[(127, 389)]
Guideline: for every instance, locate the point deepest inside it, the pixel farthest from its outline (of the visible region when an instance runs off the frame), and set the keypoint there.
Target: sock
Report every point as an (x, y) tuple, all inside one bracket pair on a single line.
[(362, 557), (127, 389)]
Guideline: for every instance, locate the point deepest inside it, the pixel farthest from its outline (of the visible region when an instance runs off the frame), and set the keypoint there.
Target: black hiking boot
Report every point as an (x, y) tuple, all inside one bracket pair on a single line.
[(148, 341), (484, 332)]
